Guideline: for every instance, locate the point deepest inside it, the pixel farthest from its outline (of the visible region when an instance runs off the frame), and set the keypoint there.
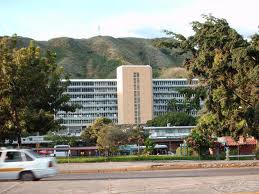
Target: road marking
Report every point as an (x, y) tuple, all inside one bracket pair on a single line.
[(10, 188)]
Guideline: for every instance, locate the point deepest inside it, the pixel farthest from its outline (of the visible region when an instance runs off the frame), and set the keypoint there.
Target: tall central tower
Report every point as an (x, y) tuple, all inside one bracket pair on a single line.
[(135, 94)]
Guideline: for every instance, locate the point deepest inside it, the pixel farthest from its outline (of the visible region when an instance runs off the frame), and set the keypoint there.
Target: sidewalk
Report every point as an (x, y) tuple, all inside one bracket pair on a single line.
[(106, 167)]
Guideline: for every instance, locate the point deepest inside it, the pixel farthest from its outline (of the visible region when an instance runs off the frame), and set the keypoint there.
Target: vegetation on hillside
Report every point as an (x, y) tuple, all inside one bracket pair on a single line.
[(98, 57)]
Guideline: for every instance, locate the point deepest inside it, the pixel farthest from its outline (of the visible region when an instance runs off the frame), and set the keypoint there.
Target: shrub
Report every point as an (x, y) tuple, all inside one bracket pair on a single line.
[(185, 151), (257, 152), (125, 158)]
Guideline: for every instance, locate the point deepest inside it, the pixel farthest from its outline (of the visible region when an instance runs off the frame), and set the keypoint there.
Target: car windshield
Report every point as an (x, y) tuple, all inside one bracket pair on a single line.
[(34, 154)]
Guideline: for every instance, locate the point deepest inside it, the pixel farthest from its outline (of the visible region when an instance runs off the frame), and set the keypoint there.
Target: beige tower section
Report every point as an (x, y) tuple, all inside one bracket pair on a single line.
[(135, 94)]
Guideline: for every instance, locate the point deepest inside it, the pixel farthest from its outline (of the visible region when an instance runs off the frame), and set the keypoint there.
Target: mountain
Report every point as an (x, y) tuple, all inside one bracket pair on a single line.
[(98, 57)]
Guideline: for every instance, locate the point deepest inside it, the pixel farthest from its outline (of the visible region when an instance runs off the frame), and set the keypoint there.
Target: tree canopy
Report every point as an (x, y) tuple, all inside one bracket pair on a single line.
[(192, 100), (174, 118), (31, 91), (91, 133), (227, 65)]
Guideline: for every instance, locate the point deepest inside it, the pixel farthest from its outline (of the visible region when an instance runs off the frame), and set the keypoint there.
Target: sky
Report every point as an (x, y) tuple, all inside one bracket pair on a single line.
[(47, 19)]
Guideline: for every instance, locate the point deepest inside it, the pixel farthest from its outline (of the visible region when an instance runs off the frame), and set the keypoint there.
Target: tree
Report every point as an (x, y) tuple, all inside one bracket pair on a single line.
[(191, 102), (227, 65), (203, 136), (174, 118), (31, 91), (174, 105), (137, 135), (110, 137), (149, 146), (91, 133)]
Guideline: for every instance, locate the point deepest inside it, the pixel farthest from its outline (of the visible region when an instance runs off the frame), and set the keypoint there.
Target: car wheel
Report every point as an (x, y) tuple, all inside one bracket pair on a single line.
[(27, 176)]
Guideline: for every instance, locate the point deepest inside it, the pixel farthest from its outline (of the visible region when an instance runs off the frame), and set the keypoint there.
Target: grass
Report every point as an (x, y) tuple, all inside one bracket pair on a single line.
[(127, 158)]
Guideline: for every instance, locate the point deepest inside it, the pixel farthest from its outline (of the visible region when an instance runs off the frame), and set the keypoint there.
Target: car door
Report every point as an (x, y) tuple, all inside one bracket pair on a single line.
[(12, 165), (29, 162)]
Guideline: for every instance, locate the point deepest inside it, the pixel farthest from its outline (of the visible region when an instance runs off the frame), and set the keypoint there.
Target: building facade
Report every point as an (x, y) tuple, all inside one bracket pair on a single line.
[(172, 136), (97, 98), (167, 89), (133, 98), (135, 94)]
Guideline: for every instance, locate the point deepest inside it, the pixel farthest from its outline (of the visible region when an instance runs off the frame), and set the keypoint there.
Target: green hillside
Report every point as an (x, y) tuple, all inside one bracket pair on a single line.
[(98, 57)]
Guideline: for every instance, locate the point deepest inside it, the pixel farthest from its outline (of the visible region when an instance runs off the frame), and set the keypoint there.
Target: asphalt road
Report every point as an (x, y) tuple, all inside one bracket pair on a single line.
[(158, 174), (198, 181)]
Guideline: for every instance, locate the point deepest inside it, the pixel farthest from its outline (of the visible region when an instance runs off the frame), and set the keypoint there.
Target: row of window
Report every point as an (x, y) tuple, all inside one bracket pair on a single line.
[(95, 90), (93, 83), (82, 115), (170, 95), (92, 96), (86, 121), (163, 83), (170, 131), (174, 82), (167, 89), (159, 102), (89, 102)]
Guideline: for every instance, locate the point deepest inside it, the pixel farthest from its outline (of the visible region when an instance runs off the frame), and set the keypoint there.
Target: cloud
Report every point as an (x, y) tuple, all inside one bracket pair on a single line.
[(241, 16), (145, 22)]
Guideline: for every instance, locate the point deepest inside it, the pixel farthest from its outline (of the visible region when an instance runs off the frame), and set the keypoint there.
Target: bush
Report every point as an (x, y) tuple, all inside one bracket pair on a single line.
[(257, 152), (125, 158), (184, 151), (233, 151)]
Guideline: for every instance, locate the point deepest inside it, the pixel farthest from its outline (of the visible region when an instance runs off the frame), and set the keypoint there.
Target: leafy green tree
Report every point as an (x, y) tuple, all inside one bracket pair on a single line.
[(110, 137), (149, 146), (31, 91), (203, 136), (174, 105), (227, 65), (192, 99), (137, 135), (174, 118), (91, 133)]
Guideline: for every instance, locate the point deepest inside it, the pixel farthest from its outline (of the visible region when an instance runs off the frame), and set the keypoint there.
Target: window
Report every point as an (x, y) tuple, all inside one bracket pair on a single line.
[(34, 154), (13, 157), (136, 97), (28, 158)]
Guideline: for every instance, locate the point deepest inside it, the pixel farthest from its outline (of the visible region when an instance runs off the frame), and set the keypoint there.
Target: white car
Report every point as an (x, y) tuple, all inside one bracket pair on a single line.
[(25, 164)]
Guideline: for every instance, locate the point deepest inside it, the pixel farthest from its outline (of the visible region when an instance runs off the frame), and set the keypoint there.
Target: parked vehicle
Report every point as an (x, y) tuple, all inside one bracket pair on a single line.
[(45, 152), (61, 151), (25, 164)]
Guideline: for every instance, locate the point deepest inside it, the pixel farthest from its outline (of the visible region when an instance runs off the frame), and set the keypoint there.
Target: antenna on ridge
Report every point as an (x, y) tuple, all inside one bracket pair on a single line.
[(99, 30), (148, 60)]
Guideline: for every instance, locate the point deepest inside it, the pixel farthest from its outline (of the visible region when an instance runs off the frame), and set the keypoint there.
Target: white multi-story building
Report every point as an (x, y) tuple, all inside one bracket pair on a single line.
[(133, 98), (167, 89), (96, 97)]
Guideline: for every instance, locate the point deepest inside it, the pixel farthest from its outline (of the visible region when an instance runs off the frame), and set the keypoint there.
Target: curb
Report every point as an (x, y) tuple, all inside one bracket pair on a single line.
[(163, 167)]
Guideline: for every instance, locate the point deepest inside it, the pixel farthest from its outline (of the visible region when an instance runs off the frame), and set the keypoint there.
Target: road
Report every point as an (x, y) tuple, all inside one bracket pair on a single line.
[(159, 174), (231, 180)]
